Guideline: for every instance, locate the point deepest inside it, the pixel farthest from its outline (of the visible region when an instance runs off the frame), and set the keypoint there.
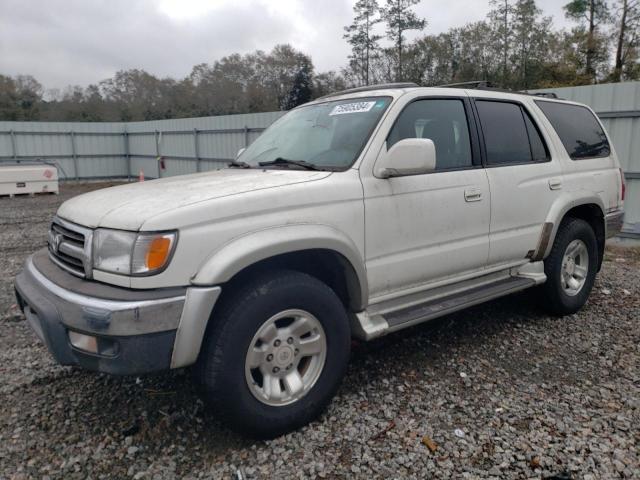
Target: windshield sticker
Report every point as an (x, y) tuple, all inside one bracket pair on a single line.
[(358, 107)]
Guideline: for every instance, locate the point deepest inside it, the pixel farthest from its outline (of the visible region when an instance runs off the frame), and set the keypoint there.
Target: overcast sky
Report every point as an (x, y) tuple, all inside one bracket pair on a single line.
[(62, 42)]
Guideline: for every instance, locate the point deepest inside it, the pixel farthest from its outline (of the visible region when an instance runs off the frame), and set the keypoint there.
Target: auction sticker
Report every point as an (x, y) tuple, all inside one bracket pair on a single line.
[(356, 107)]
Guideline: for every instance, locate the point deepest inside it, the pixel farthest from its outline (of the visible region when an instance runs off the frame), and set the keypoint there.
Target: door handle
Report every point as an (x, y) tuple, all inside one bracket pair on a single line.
[(555, 183), (473, 195)]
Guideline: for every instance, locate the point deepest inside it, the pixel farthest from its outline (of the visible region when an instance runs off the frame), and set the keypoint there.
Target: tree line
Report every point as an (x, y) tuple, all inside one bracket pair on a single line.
[(516, 46)]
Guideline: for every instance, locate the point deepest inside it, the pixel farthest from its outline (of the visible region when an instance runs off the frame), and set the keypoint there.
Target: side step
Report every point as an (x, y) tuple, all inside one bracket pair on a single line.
[(368, 326), (436, 308)]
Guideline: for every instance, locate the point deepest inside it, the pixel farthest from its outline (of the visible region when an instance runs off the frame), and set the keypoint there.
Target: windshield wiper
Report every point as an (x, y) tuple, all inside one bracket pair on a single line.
[(236, 164), (286, 161)]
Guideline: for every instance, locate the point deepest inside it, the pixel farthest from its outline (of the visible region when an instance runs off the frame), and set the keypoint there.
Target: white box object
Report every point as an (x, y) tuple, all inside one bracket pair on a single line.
[(17, 179)]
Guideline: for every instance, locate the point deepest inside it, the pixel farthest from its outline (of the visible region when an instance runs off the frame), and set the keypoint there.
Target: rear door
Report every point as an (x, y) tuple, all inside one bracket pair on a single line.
[(592, 165), (523, 178)]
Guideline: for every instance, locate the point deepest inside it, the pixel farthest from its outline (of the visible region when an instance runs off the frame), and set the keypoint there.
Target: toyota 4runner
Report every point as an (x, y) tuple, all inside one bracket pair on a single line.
[(355, 215)]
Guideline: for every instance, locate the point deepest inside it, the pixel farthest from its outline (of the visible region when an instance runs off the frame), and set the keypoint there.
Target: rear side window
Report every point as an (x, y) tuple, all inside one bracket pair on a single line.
[(579, 130), (510, 135), (442, 120), (538, 148)]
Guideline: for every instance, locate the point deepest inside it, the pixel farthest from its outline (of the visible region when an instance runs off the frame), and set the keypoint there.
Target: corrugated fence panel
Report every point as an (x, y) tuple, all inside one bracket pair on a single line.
[(218, 140), (99, 144), (142, 144), (6, 150), (221, 145), (148, 165), (223, 122), (176, 144), (104, 150), (96, 148), (101, 167), (65, 165), (618, 105), (178, 167), (621, 131), (632, 212), (29, 145)]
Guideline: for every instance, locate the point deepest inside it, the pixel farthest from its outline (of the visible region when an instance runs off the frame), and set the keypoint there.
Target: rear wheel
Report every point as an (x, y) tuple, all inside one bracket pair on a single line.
[(570, 267), (275, 353)]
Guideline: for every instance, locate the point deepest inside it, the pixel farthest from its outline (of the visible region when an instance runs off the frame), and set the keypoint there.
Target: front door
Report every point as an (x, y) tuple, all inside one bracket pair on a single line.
[(425, 228)]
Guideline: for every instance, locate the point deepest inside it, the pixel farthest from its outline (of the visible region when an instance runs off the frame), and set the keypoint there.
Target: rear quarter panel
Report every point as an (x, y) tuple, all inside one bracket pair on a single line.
[(587, 177)]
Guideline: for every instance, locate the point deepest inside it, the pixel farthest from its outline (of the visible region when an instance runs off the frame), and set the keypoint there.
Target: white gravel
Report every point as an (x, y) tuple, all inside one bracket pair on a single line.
[(498, 391)]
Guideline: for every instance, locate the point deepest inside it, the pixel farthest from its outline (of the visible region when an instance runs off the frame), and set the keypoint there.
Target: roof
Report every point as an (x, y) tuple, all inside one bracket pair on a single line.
[(398, 89)]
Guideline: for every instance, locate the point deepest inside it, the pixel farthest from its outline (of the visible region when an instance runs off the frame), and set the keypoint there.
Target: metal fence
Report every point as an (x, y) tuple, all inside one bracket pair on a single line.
[(112, 150), (120, 150), (618, 106)]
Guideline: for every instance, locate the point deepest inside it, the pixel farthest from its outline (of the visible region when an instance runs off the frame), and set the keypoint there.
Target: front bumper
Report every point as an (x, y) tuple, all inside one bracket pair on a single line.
[(136, 331)]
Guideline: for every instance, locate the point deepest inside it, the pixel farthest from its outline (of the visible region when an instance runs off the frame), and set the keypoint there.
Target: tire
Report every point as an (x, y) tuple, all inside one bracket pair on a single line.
[(562, 297), (234, 390)]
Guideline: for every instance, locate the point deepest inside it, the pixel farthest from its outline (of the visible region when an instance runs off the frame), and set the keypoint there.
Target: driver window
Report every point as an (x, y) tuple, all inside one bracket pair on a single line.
[(442, 120)]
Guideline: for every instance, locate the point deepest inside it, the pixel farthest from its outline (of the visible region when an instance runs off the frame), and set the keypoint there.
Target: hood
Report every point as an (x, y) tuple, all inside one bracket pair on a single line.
[(128, 206)]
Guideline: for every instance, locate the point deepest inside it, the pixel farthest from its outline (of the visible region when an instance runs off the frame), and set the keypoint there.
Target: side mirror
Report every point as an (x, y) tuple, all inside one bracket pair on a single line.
[(411, 156), (240, 152)]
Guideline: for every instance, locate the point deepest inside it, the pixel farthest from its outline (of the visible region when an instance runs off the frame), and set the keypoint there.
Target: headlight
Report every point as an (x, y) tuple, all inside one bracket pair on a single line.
[(130, 253)]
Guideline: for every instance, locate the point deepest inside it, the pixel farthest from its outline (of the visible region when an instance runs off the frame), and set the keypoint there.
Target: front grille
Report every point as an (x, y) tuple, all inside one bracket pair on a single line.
[(70, 247)]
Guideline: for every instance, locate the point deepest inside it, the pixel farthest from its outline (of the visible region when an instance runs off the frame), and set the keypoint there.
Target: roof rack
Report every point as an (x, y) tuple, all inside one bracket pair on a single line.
[(486, 85), (544, 94), (367, 88), (478, 85), (475, 84)]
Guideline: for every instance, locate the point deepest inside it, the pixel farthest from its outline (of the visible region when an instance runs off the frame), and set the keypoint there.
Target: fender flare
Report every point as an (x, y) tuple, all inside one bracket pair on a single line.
[(559, 209), (246, 250)]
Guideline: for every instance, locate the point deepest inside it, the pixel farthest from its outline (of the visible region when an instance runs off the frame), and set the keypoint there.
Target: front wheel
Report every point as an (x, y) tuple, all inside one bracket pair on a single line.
[(570, 267), (275, 353)]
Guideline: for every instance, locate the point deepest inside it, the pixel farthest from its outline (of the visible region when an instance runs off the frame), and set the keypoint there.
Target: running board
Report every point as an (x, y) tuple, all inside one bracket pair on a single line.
[(367, 327)]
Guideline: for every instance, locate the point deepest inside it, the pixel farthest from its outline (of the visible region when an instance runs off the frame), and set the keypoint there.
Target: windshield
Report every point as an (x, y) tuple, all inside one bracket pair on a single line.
[(322, 136)]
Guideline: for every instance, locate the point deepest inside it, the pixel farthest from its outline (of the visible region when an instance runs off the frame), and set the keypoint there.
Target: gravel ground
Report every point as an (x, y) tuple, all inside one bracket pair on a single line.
[(497, 391)]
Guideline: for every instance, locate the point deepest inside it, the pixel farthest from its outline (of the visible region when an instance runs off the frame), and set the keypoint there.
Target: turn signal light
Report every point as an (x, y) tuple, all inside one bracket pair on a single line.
[(158, 253)]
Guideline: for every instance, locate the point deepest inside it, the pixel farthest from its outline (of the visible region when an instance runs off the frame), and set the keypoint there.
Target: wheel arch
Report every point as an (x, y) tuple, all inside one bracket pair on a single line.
[(319, 250), (590, 209)]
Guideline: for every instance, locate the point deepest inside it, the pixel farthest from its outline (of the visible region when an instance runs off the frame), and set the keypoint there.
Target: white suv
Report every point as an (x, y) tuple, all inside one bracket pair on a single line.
[(355, 215)]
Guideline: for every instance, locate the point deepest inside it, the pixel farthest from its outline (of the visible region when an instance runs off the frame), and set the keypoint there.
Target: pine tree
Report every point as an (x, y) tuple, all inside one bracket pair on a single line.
[(501, 23), (531, 37), (364, 43), (301, 90), (590, 14), (627, 39), (399, 17)]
